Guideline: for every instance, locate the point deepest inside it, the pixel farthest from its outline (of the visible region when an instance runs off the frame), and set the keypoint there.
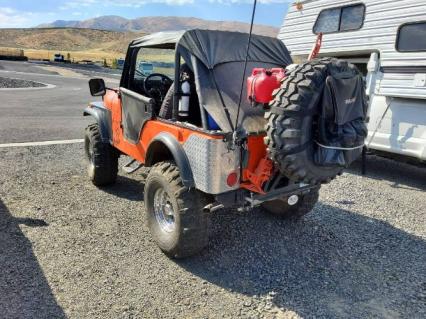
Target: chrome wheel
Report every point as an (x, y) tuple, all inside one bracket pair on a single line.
[(163, 211)]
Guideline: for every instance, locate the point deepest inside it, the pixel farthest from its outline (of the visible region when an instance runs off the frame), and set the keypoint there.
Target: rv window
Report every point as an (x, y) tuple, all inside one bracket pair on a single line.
[(328, 21), (352, 18), (340, 19), (412, 37)]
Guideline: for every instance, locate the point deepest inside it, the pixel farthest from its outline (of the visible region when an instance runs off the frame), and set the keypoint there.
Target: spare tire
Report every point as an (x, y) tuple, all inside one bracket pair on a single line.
[(292, 120)]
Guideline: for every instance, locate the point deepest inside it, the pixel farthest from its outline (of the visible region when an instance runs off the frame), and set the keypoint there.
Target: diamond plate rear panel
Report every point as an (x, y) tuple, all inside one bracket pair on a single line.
[(211, 163)]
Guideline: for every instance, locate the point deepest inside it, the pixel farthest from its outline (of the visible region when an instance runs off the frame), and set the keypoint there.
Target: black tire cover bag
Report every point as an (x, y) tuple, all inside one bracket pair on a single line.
[(341, 122), (302, 115)]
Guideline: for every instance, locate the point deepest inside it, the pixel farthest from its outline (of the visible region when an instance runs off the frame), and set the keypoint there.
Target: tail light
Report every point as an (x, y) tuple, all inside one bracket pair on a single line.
[(232, 179)]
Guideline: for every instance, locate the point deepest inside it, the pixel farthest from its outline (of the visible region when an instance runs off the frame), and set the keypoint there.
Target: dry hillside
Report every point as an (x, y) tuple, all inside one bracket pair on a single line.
[(66, 39)]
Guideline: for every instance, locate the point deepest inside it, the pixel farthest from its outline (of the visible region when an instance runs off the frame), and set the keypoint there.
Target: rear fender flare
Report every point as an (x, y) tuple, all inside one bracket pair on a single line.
[(166, 141), (102, 115)]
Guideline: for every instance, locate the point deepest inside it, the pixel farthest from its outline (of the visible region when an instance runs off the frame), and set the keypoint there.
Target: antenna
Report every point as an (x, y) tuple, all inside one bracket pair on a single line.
[(245, 63)]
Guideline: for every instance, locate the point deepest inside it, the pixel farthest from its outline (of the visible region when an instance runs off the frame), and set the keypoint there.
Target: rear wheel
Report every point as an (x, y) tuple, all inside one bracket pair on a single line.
[(282, 208), (175, 213), (102, 158)]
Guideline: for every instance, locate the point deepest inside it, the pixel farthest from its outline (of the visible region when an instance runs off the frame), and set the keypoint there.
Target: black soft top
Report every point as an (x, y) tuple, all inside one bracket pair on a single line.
[(217, 59), (215, 47)]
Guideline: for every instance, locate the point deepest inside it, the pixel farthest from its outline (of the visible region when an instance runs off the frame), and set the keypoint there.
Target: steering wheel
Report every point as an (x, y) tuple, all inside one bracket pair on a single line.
[(157, 88)]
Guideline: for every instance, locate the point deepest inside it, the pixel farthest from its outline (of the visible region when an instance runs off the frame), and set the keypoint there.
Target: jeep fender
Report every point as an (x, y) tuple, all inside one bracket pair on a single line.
[(160, 149), (102, 115)]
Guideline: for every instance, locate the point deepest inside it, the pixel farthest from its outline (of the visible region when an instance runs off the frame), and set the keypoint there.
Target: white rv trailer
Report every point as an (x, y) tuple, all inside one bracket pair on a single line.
[(386, 39)]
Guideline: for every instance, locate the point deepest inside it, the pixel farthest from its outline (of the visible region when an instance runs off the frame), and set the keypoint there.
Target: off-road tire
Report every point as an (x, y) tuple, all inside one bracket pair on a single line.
[(291, 121), (281, 208), (102, 157), (190, 233)]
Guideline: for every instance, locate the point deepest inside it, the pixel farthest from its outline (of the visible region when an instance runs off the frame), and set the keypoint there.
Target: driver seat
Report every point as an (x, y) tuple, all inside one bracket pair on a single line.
[(166, 109)]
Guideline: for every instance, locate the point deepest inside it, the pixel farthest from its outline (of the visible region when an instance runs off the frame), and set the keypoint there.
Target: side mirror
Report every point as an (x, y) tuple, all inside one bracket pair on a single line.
[(97, 87)]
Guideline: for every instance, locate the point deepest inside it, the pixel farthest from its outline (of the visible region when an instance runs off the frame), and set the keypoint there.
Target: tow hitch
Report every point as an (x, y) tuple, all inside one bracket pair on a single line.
[(292, 192)]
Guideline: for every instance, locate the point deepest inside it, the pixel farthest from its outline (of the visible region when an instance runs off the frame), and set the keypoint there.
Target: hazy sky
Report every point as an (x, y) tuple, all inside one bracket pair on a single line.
[(28, 13)]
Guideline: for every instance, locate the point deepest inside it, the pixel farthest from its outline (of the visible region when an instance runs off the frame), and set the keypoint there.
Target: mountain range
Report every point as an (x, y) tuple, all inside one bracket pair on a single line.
[(156, 24)]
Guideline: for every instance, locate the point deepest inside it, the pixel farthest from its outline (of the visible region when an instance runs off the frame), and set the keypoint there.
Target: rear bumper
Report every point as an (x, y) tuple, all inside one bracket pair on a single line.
[(244, 198)]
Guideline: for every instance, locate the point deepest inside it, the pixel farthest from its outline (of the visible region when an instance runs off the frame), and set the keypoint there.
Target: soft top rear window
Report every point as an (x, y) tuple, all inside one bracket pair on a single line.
[(412, 37)]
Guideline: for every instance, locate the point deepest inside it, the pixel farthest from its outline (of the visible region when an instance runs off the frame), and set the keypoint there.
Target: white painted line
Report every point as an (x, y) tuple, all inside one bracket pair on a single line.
[(44, 143)]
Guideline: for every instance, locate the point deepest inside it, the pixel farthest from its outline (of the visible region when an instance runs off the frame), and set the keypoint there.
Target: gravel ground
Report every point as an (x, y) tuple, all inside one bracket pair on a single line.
[(8, 83), (68, 249)]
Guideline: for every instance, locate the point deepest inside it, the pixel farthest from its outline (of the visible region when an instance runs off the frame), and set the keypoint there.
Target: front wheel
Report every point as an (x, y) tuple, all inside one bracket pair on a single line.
[(175, 213), (101, 157), (282, 208)]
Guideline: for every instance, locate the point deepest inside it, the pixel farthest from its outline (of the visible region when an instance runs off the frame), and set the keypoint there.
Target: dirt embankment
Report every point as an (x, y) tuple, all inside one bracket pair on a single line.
[(73, 44), (66, 39)]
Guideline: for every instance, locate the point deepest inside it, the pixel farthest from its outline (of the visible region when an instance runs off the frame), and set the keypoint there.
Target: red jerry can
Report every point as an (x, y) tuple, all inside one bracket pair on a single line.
[(262, 83)]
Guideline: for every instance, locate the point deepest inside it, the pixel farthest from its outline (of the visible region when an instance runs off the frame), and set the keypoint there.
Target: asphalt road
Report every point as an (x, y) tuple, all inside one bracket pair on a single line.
[(42, 114)]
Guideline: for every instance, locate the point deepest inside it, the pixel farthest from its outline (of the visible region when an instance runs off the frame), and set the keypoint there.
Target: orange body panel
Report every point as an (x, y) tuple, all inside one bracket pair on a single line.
[(258, 170), (151, 129)]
